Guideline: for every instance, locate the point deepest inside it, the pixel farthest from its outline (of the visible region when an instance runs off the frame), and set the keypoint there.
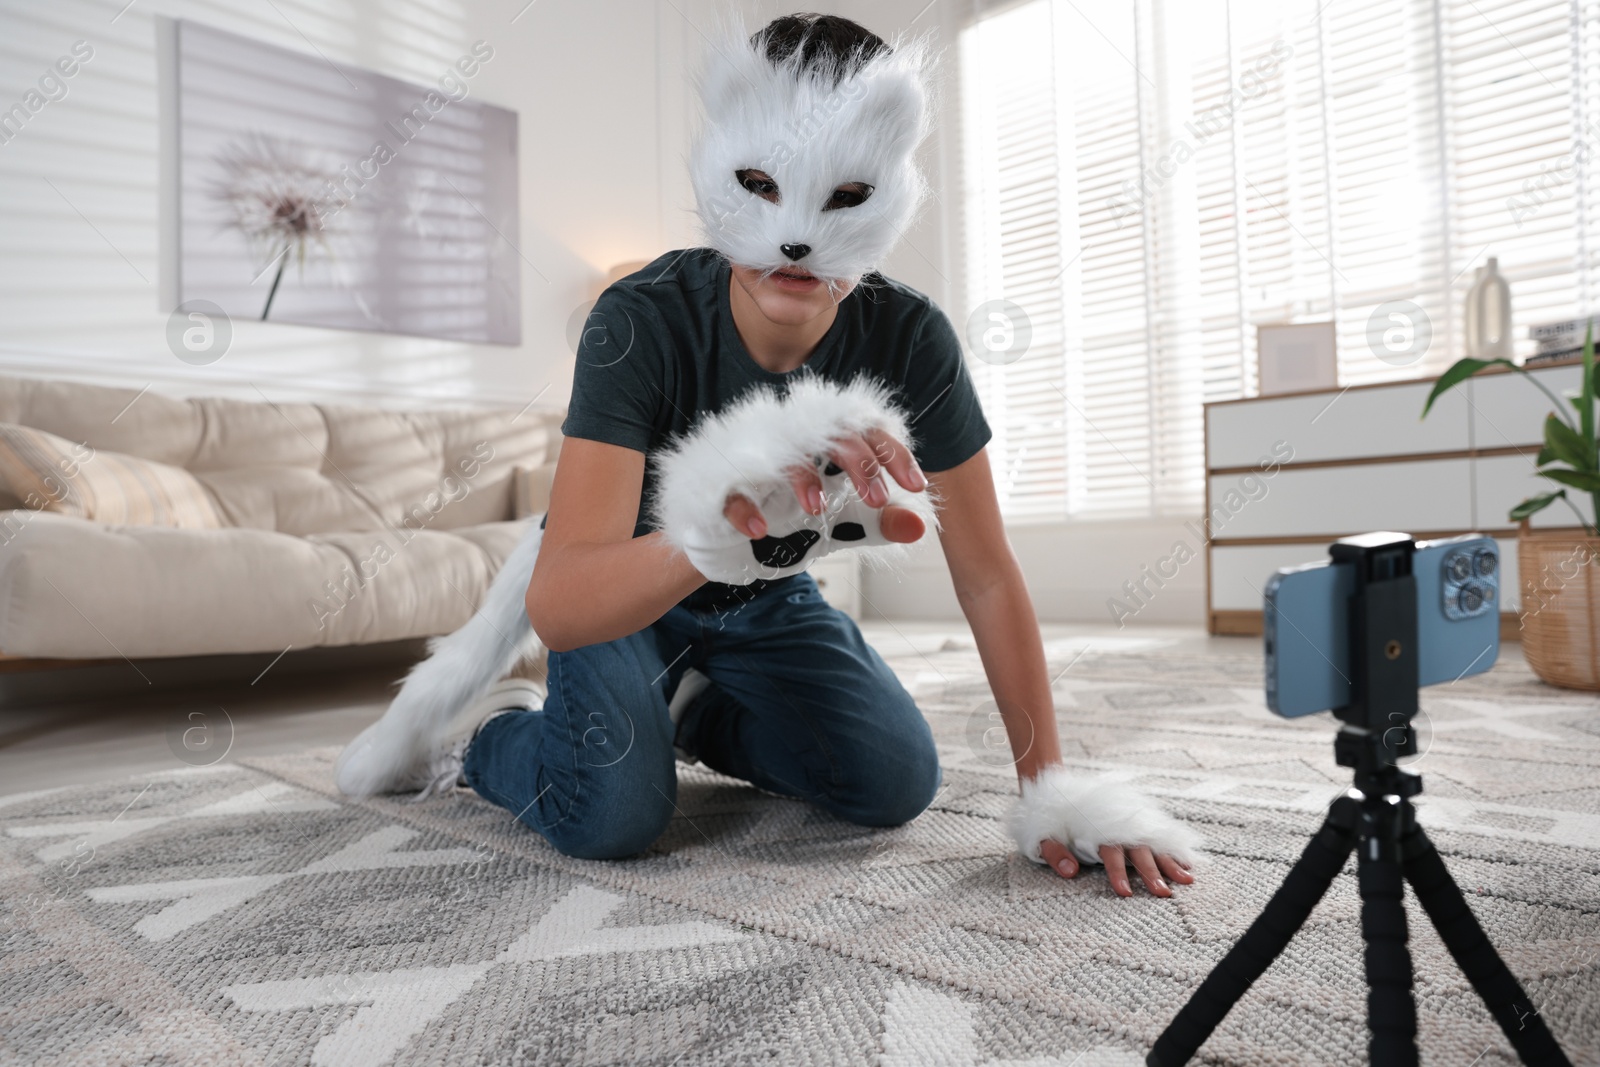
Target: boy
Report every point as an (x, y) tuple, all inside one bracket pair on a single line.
[(739, 410)]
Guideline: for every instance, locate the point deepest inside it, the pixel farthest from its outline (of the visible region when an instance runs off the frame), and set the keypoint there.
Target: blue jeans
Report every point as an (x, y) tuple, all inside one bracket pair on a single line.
[(798, 705)]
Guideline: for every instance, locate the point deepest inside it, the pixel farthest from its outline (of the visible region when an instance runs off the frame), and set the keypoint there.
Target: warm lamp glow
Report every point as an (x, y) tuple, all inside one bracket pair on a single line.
[(621, 270)]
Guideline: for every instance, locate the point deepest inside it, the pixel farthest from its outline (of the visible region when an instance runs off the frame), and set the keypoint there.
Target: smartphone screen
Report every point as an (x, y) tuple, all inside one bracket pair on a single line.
[(1306, 623)]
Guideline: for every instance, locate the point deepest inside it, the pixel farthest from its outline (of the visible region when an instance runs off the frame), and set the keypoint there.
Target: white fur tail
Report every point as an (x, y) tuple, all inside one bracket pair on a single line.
[(459, 669)]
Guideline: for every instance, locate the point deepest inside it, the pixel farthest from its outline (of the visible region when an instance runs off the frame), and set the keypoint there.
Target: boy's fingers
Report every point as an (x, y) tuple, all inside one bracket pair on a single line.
[(900, 525), (745, 516), (1116, 869), (1174, 870), (1059, 857), (857, 459), (807, 487), (1145, 864), (897, 460)]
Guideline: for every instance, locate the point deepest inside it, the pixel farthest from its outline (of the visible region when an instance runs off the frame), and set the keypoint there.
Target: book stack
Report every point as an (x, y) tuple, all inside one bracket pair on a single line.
[(1559, 341)]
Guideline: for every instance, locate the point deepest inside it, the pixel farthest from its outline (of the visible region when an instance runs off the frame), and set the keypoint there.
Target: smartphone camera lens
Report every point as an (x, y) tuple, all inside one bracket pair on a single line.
[(1459, 567), (1470, 598), (1486, 562)]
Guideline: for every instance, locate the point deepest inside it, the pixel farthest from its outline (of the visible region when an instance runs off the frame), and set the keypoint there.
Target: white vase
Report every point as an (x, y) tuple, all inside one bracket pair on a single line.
[(1469, 314), (1489, 315)]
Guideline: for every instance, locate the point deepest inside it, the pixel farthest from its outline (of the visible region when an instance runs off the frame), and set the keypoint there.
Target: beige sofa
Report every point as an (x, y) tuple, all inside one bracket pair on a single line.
[(340, 525)]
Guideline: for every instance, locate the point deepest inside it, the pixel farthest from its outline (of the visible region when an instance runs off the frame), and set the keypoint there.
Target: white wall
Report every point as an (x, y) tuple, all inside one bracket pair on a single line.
[(1072, 571), (600, 90)]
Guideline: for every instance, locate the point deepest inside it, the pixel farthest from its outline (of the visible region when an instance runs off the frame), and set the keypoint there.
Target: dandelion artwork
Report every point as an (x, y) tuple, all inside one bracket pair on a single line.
[(275, 199), (306, 192)]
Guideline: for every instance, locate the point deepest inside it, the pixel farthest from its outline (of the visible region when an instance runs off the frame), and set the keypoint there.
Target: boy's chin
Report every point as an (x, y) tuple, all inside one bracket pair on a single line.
[(791, 303)]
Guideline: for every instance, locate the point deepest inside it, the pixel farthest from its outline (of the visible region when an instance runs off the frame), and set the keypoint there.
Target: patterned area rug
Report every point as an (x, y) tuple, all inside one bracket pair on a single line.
[(246, 914)]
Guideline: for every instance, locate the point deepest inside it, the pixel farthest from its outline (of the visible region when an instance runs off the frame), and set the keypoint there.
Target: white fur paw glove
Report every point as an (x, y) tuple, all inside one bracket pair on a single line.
[(748, 449), (1084, 811)]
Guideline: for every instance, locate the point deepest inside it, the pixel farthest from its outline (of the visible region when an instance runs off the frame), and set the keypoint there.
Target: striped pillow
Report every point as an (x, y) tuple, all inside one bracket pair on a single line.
[(50, 473)]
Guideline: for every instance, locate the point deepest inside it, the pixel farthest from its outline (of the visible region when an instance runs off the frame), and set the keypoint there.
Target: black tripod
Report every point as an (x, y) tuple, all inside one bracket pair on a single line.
[(1377, 816)]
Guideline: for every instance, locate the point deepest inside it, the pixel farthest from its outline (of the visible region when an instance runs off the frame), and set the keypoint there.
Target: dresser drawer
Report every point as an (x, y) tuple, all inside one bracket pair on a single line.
[(1239, 573), (1409, 496), (838, 578), (1377, 421), (1507, 409), (1505, 481)]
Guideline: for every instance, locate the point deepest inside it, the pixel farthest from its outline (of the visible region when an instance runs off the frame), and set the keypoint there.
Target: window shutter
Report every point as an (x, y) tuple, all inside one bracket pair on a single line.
[(1016, 244)]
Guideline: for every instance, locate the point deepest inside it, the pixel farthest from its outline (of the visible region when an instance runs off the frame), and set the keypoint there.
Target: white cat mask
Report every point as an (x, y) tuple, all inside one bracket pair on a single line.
[(810, 136)]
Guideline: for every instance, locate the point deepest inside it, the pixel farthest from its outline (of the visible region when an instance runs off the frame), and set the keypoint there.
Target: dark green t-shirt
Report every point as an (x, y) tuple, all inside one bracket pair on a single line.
[(660, 350)]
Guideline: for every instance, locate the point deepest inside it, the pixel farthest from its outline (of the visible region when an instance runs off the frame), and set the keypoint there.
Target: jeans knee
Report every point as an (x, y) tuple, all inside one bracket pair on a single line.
[(893, 792), (616, 828)]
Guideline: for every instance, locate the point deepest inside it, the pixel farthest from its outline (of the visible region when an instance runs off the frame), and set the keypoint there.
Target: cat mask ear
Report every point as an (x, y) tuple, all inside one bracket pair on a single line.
[(810, 132)]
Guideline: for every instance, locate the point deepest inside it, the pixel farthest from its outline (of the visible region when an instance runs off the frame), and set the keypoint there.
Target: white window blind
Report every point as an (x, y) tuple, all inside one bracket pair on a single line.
[(1150, 180)]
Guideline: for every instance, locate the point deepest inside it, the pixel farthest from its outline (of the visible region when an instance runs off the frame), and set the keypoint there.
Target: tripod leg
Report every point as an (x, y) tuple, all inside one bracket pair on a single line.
[(1391, 1011), (1284, 914), (1501, 992)]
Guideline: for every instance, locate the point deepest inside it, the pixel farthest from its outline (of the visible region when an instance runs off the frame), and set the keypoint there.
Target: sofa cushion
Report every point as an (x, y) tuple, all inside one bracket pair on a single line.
[(290, 500), (398, 582), (135, 422), (267, 465), (436, 470), (76, 589), (495, 539), (257, 433), (531, 490), (305, 468), (55, 474)]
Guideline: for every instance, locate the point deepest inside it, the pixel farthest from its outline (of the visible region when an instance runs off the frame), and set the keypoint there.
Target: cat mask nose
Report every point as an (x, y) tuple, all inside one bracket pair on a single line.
[(795, 252)]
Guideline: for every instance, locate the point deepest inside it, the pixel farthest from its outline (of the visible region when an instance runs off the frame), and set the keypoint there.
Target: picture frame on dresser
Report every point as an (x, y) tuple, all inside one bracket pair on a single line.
[(1286, 475), (1294, 357)]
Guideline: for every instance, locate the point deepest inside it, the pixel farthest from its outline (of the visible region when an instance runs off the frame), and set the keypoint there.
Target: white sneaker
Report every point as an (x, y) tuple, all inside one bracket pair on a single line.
[(440, 771), (508, 694), (691, 685)]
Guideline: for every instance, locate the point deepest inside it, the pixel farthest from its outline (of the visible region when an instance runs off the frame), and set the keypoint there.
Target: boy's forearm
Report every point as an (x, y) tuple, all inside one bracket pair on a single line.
[(585, 594), (1007, 633)]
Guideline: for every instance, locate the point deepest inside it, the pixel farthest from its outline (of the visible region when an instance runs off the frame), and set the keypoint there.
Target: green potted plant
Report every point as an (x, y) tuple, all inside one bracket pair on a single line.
[(1560, 569)]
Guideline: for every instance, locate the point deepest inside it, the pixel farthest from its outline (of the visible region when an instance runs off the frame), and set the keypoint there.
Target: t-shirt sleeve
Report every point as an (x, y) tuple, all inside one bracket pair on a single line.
[(947, 423), (618, 384)]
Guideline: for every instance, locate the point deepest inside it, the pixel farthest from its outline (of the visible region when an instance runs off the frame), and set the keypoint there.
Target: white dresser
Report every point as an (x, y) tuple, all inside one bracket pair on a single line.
[(1285, 475), (839, 580)]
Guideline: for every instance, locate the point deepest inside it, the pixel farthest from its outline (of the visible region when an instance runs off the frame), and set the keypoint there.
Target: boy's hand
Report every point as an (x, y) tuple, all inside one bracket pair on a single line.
[(736, 498), (1150, 866), (1066, 819), (864, 458)]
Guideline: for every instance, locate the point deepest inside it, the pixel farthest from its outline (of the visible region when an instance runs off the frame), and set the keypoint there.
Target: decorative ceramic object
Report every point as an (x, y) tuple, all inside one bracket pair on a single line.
[(1488, 315)]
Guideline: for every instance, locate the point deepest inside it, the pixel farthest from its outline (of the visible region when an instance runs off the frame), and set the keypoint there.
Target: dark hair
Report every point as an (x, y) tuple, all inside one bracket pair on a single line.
[(828, 44)]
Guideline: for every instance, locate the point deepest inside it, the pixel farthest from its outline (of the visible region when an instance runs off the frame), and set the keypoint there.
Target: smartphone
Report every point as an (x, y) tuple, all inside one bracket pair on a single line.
[(1306, 627)]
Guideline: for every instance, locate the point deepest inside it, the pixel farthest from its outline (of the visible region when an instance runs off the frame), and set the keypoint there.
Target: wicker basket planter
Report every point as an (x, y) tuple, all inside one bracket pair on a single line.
[(1560, 574)]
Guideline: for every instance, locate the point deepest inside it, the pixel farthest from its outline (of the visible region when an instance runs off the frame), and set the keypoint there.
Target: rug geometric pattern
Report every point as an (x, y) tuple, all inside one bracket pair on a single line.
[(246, 913)]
